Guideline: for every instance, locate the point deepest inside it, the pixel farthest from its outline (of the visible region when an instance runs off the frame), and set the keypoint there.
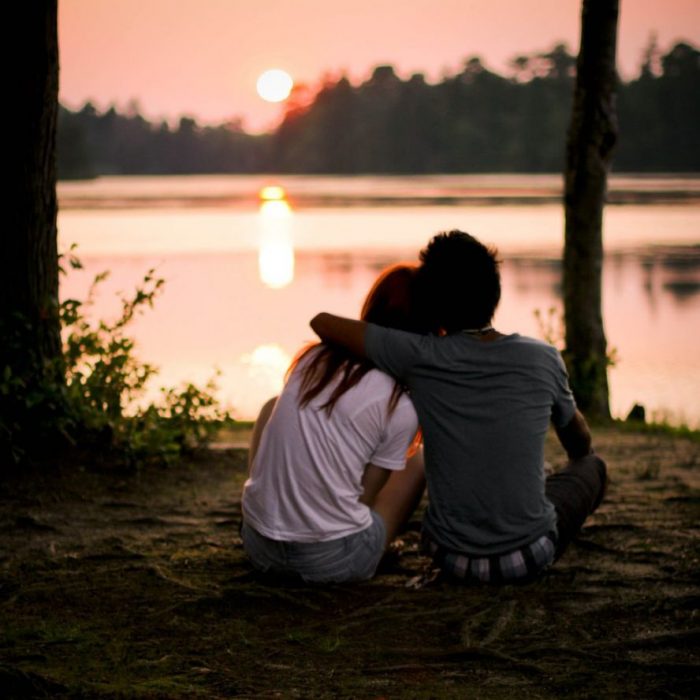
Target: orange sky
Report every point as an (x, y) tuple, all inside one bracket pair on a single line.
[(202, 57)]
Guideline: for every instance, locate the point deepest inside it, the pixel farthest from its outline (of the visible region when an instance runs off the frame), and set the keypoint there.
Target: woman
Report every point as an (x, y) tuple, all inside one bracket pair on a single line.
[(328, 488)]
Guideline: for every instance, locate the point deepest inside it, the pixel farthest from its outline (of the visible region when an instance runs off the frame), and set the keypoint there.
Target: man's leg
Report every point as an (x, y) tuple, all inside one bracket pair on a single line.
[(401, 495), (576, 491)]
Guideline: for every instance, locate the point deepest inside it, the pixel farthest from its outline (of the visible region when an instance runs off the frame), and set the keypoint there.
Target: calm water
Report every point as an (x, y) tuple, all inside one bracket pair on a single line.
[(244, 276)]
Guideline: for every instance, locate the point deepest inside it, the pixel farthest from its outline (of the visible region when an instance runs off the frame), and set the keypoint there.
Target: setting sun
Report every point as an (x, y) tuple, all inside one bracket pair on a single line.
[(275, 85)]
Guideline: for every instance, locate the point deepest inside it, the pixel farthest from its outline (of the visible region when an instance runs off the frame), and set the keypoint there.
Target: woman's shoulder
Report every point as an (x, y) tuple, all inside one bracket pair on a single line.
[(382, 386), (380, 380), (375, 388)]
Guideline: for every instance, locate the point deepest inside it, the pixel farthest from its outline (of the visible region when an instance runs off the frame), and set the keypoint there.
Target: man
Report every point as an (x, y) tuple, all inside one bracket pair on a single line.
[(484, 401)]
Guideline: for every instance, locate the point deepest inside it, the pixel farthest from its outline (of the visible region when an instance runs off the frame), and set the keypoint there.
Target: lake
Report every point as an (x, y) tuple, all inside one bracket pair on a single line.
[(246, 268)]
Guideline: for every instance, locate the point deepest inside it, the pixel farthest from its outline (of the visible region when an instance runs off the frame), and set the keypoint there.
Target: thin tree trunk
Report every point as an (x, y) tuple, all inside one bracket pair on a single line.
[(28, 246), (592, 135)]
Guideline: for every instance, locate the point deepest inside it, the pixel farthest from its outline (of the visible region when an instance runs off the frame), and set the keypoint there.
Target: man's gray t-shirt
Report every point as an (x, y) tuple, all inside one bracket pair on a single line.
[(485, 408)]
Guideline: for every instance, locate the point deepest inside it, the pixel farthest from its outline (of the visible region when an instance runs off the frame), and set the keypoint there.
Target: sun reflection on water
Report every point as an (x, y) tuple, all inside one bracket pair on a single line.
[(276, 252), (267, 365)]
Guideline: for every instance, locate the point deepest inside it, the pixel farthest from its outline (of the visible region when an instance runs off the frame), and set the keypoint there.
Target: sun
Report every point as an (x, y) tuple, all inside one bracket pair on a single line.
[(274, 85)]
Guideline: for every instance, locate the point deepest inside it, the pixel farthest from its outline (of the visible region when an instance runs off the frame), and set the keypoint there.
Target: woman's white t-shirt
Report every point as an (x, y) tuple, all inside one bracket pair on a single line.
[(306, 479)]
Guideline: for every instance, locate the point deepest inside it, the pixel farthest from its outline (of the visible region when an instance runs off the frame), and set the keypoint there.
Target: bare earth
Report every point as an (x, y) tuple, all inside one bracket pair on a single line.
[(135, 585)]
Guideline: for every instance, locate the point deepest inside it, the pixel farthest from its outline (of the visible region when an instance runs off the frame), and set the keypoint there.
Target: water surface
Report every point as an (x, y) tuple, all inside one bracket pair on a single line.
[(244, 276)]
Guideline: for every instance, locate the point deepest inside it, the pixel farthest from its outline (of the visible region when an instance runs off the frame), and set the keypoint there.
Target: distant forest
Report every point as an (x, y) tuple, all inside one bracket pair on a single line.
[(474, 121)]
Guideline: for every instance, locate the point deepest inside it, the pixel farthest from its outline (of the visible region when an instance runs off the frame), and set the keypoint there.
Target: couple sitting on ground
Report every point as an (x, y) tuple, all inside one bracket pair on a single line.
[(336, 467)]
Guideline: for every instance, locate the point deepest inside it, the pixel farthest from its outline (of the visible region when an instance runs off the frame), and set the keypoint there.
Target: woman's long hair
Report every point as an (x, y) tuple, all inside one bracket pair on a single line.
[(390, 303)]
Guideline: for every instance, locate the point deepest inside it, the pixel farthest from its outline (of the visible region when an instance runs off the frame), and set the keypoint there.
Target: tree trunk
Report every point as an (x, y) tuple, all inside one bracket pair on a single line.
[(29, 281), (30, 352), (592, 135)]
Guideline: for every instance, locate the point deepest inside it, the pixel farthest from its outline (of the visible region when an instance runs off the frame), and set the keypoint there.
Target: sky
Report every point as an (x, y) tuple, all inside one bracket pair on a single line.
[(202, 58)]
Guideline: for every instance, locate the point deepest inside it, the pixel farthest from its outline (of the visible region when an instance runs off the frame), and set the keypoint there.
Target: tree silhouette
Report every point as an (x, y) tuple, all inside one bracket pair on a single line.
[(591, 139), (30, 352)]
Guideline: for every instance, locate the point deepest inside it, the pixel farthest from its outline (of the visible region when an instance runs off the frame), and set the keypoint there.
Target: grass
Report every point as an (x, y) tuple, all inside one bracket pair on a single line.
[(658, 428)]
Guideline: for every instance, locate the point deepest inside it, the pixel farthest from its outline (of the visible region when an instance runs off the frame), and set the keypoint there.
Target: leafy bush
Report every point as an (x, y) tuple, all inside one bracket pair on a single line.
[(96, 398)]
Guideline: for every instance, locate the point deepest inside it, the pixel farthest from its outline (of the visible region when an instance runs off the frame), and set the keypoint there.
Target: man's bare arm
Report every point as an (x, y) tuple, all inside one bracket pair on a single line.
[(341, 331), (575, 437)]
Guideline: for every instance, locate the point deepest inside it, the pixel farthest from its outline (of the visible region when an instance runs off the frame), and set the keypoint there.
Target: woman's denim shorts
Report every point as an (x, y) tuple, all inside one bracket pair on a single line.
[(351, 558)]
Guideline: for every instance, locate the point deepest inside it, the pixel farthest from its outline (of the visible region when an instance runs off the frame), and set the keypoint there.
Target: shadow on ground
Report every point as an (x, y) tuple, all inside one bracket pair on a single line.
[(115, 585)]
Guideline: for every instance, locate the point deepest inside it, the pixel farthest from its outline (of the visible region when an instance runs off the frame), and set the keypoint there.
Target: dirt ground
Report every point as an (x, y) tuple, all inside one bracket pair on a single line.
[(116, 585)]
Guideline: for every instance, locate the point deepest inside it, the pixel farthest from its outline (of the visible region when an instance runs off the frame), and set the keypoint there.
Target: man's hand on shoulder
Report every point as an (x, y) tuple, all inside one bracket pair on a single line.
[(341, 331)]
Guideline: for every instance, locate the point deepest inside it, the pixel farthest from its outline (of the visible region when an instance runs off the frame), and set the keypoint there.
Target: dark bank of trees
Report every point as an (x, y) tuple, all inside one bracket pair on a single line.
[(91, 143), (474, 121)]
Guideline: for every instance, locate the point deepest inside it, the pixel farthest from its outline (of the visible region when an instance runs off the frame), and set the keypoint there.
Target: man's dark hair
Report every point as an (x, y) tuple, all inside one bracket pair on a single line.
[(459, 281)]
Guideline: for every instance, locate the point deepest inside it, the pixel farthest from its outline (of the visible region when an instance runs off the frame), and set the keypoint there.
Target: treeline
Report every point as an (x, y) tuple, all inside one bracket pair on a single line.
[(91, 144), (474, 121)]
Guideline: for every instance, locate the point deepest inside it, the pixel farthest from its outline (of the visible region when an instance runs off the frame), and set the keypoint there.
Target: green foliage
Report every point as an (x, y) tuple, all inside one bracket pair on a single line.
[(33, 407), (102, 375), (551, 326), (105, 383), (97, 399), (659, 427)]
